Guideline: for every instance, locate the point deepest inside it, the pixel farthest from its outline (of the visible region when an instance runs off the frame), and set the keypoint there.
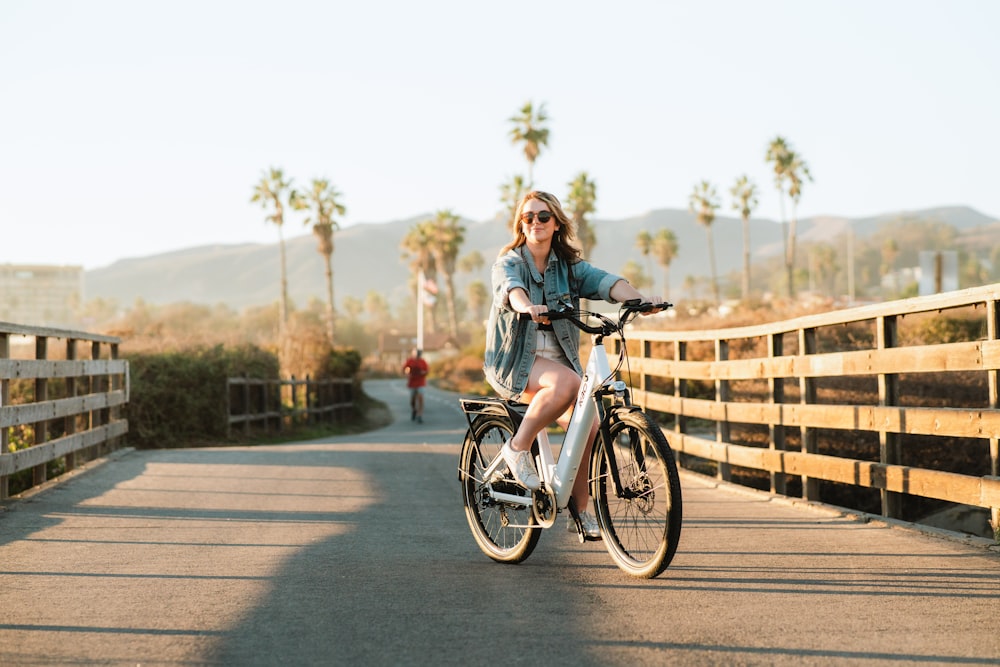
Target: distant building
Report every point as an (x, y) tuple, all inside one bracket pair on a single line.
[(394, 348), (37, 295)]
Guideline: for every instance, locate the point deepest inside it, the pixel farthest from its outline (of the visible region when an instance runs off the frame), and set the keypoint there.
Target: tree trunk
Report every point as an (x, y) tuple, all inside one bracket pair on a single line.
[(330, 324), (711, 261), (790, 257), (449, 285), (283, 304), (746, 258)]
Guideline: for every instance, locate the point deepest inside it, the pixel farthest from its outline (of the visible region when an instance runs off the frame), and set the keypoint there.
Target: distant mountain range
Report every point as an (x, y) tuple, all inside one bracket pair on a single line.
[(368, 257)]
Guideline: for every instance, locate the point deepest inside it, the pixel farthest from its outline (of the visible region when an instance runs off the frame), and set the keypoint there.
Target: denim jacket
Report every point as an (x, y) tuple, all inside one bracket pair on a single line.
[(510, 342)]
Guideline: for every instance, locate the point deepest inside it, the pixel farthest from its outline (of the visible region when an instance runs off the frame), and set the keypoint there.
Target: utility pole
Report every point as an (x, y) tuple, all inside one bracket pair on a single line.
[(420, 310)]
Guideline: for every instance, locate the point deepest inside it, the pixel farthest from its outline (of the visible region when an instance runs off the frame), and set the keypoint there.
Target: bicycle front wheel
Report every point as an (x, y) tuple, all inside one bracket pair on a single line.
[(505, 532), (640, 520)]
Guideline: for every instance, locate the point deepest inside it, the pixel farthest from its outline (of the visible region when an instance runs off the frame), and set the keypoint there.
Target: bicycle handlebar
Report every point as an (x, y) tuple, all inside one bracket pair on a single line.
[(629, 308)]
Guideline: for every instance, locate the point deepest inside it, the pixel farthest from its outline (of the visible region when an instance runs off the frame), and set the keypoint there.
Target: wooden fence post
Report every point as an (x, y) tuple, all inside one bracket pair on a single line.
[(722, 430), (4, 400), (992, 334), (41, 429), (680, 387), (115, 384), (888, 394), (69, 423), (776, 390), (97, 417), (807, 396), (646, 352)]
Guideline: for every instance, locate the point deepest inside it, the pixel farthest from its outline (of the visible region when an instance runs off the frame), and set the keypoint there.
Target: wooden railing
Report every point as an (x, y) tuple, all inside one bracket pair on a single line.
[(57, 409), (271, 404), (855, 397)]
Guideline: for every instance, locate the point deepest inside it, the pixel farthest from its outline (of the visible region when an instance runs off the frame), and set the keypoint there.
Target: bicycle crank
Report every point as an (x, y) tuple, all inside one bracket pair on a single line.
[(543, 506)]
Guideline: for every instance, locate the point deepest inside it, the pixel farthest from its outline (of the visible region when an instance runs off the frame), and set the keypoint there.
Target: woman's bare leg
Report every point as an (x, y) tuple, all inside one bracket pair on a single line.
[(551, 390)]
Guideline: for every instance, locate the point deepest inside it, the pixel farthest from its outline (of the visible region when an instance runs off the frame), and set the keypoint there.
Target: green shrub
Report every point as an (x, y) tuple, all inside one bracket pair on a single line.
[(177, 398), (341, 363)]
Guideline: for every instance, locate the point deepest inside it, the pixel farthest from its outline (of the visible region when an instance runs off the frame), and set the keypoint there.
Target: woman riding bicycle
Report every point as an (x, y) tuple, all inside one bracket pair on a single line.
[(536, 361)]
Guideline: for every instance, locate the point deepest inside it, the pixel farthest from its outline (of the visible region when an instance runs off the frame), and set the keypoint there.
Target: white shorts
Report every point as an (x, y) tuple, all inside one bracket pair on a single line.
[(547, 347)]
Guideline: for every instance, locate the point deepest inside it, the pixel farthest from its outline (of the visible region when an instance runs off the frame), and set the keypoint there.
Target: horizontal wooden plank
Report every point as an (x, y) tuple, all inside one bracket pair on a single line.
[(31, 369), (968, 356), (952, 487), (30, 457), (949, 422), (30, 413), (48, 332)]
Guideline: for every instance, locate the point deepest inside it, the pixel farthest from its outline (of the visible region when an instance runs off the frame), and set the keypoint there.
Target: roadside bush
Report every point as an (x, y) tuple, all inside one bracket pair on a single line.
[(179, 398), (340, 363)]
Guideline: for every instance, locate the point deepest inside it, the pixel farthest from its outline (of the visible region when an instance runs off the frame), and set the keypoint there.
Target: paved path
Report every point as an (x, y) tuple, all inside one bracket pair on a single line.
[(355, 551)]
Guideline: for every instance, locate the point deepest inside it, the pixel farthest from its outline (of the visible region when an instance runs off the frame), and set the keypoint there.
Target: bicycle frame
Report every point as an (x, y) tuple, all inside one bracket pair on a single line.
[(560, 475)]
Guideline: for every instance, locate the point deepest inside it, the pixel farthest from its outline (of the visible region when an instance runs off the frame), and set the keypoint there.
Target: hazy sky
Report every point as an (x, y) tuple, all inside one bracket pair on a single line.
[(130, 128)]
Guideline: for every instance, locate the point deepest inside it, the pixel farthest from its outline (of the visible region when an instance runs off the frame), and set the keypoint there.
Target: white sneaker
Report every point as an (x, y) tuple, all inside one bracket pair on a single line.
[(590, 528), (522, 466)]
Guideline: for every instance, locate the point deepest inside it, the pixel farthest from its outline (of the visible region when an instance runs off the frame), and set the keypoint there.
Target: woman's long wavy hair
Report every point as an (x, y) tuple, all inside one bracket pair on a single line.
[(564, 239)]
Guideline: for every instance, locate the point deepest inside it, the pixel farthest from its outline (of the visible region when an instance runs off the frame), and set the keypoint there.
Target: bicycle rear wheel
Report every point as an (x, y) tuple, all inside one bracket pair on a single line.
[(641, 522), (505, 532)]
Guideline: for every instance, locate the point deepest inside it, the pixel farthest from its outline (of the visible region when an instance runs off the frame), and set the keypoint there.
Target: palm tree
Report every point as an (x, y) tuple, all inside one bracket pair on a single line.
[(271, 192), (510, 194), (322, 202), (744, 194), (665, 249), (529, 130), (644, 242), (417, 246), (777, 156), (703, 202), (795, 171), (581, 202), (447, 236)]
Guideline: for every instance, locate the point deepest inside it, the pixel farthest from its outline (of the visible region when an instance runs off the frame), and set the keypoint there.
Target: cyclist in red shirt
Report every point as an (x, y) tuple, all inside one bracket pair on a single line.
[(416, 377)]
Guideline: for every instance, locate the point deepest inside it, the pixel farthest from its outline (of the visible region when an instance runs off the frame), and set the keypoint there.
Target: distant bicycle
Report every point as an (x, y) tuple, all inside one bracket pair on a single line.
[(632, 471)]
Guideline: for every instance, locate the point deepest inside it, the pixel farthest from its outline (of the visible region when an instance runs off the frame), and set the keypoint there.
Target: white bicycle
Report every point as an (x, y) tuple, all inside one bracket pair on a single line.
[(633, 476)]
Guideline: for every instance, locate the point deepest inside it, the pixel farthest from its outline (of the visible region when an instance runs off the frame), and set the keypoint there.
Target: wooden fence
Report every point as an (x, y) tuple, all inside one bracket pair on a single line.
[(898, 400), (270, 404), (57, 409)]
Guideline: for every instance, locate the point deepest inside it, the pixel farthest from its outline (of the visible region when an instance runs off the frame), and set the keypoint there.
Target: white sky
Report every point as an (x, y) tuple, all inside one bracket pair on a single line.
[(129, 128)]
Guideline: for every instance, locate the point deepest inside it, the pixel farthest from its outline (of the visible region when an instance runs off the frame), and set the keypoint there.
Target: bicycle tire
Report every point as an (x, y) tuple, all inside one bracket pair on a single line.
[(505, 532), (641, 526)]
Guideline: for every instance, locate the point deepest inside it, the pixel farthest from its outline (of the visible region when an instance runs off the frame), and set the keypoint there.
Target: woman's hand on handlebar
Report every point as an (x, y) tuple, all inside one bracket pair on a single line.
[(526, 310), (538, 313), (657, 304), (648, 306)]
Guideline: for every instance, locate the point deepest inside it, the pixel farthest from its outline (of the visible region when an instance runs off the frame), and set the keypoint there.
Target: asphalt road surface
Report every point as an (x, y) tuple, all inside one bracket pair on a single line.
[(355, 551)]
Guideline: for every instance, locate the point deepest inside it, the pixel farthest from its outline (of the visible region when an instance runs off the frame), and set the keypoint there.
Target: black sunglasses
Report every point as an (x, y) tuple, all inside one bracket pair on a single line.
[(543, 217)]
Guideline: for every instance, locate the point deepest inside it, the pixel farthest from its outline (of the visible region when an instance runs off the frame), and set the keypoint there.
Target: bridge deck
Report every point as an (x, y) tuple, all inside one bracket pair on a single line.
[(355, 551)]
